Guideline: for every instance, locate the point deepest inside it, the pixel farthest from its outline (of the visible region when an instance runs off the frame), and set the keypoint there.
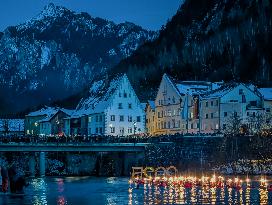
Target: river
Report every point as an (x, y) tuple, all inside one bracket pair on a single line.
[(111, 191)]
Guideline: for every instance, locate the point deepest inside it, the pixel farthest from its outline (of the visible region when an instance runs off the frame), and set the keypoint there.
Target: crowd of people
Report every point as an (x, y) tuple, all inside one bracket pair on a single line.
[(93, 139)]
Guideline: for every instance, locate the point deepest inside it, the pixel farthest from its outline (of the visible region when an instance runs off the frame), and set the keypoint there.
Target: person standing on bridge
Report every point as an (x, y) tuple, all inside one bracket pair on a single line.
[(4, 174)]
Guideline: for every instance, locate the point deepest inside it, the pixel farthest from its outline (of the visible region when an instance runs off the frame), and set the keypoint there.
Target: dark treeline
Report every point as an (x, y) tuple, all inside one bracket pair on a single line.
[(207, 40)]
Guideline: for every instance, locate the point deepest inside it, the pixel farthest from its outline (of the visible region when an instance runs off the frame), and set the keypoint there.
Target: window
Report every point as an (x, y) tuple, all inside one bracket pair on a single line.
[(216, 103), (121, 118), (130, 119), (129, 106), (197, 125), (253, 103), (100, 130), (90, 119), (138, 118), (120, 106), (112, 117), (267, 109), (241, 91), (247, 113), (100, 118), (96, 118), (90, 130), (174, 100), (122, 130), (174, 123), (112, 129), (169, 112), (169, 125), (235, 114), (164, 125), (192, 126), (129, 95), (211, 115), (225, 114), (130, 130), (207, 116), (217, 126), (224, 126), (207, 104), (159, 115), (120, 95), (211, 103), (125, 95), (96, 130)]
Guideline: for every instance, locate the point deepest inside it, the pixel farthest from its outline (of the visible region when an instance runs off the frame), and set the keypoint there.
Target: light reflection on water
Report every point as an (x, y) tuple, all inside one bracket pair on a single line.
[(116, 191)]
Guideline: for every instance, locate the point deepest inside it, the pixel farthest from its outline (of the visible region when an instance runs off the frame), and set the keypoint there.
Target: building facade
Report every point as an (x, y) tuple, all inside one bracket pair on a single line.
[(113, 109), (220, 106), (150, 117), (46, 121)]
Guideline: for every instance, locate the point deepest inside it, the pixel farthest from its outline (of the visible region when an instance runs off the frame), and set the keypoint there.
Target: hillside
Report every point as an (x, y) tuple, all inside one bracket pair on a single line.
[(207, 40), (58, 53)]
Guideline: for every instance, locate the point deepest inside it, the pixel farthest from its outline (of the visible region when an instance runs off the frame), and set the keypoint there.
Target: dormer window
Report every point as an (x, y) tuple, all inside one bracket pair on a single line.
[(241, 91)]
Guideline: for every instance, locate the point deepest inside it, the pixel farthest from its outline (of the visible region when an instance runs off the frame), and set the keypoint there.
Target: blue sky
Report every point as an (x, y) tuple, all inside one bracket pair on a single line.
[(150, 14)]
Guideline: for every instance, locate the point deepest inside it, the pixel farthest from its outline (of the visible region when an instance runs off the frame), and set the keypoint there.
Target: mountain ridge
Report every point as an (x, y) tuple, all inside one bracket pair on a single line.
[(60, 52)]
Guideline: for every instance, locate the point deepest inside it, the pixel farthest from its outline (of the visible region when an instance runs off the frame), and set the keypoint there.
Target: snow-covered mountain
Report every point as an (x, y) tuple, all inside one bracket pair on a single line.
[(59, 52)]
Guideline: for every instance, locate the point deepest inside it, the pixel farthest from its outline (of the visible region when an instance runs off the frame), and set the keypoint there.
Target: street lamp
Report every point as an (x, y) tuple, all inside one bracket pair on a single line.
[(134, 124)]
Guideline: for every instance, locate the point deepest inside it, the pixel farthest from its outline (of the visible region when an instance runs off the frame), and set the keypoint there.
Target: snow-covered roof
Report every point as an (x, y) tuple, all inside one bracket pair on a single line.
[(13, 125), (221, 91), (99, 98), (192, 87), (49, 113), (152, 104), (266, 93), (143, 105)]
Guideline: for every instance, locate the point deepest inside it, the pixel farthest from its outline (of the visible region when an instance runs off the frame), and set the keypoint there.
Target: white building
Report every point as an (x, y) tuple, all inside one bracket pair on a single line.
[(112, 109), (267, 103), (217, 107)]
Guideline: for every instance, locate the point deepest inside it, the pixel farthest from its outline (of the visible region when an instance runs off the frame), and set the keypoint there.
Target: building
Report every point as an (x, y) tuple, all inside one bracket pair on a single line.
[(46, 121), (54, 124), (11, 126), (177, 105), (150, 117), (112, 108), (267, 103), (219, 107)]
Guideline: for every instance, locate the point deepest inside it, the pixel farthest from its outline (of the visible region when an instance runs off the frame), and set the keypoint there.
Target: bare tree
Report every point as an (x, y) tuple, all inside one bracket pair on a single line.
[(233, 125)]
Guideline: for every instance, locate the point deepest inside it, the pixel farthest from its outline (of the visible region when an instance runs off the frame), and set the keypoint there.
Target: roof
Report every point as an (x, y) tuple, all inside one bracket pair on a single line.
[(49, 113), (219, 92), (99, 98), (44, 111), (152, 104), (14, 125), (266, 93), (193, 87)]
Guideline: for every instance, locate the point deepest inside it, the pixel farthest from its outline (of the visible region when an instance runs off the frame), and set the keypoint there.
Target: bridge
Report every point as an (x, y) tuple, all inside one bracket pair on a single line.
[(75, 147), (124, 151)]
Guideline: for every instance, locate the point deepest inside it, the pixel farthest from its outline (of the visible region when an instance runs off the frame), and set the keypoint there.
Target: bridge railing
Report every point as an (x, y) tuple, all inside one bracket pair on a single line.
[(98, 139)]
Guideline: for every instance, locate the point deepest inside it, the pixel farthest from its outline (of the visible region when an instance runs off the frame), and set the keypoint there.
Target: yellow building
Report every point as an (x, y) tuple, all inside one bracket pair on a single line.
[(150, 117), (177, 106)]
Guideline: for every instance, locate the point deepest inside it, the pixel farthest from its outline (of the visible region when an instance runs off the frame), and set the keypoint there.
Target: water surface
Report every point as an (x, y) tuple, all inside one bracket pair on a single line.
[(111, 191)]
